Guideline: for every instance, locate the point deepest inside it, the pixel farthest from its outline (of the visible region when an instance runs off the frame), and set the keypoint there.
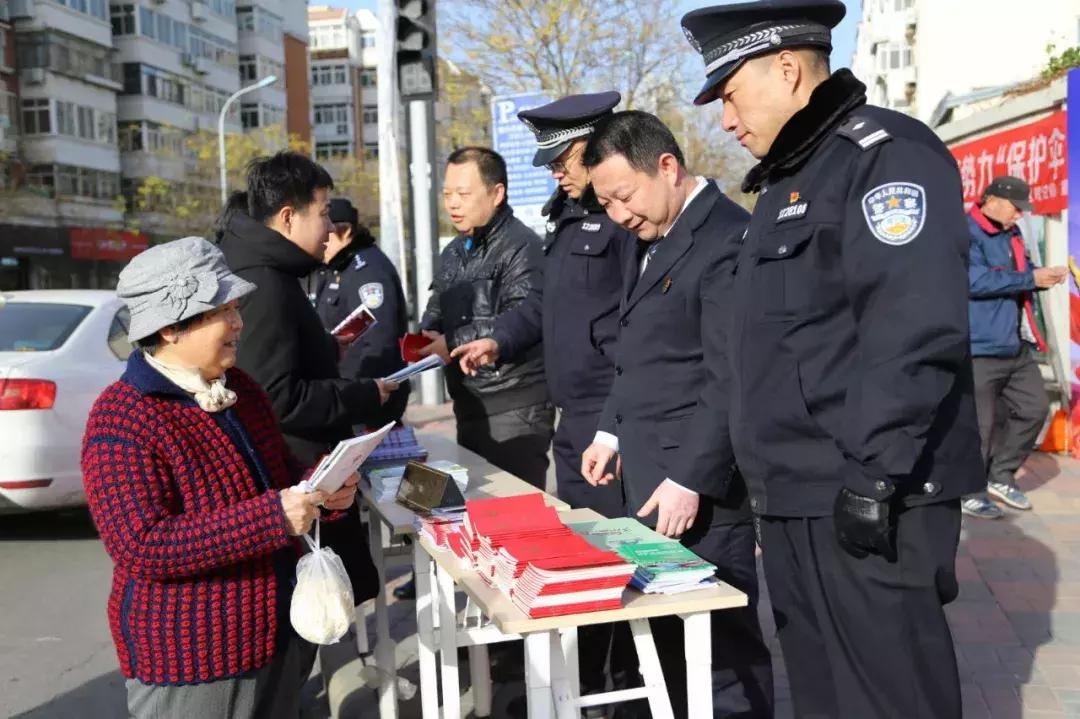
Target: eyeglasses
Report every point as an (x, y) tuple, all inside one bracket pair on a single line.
[(560, 165)]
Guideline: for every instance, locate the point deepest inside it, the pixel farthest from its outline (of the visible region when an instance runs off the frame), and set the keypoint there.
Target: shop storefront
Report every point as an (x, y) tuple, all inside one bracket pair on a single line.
[(64, 257)]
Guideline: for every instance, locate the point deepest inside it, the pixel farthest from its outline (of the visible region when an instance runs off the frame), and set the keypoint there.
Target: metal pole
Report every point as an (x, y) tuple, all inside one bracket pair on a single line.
[(423, 222), (391, 230), (268, 80)]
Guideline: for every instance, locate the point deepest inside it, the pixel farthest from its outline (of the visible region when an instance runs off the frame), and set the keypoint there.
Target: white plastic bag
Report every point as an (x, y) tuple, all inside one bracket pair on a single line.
[(322, 603)]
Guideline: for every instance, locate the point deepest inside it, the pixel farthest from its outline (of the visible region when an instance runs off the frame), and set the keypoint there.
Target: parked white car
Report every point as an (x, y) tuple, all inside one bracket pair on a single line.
[(58, 350)]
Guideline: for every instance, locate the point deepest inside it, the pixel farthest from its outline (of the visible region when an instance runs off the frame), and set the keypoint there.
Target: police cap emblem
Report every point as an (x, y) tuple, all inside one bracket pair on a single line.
[(895, 212)]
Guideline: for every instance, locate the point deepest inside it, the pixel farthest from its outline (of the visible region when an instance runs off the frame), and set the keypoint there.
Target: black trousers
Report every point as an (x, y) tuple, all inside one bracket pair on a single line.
[(516, 441), (866, 638), (1014, 387), (574, 434), (741, 664)]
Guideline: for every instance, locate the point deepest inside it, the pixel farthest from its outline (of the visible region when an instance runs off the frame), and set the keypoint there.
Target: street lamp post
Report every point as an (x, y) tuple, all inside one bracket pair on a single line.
[(268, 80)]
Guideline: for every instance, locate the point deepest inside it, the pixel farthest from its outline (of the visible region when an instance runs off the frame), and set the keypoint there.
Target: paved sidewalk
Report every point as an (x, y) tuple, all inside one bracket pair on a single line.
[(1016, 624)]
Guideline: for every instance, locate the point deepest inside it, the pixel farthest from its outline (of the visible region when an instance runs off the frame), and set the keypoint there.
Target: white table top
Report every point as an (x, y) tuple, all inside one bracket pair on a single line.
[(636, 605), (485, 480)]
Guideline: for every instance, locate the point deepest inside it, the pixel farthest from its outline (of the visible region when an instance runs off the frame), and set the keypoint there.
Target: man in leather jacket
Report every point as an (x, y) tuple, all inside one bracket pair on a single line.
[(503, 413)]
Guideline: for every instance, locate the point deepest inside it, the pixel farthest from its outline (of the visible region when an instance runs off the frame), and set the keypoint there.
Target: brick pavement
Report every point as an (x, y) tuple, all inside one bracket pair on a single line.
[(1016, 623)]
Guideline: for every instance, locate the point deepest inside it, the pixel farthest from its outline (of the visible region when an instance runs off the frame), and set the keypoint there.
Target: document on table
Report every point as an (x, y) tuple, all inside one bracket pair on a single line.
[(348, 455), (428, 363)]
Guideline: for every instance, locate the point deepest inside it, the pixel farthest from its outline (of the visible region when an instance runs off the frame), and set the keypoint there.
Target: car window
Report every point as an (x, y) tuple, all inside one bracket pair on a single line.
[(118, 330), (38, 326)]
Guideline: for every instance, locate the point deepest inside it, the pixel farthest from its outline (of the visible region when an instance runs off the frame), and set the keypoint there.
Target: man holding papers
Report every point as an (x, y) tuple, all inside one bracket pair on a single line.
[(687, 229)]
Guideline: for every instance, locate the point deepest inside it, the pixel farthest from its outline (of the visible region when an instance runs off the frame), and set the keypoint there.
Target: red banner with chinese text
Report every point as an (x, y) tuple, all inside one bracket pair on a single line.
[(1036, 153), (98, 243)]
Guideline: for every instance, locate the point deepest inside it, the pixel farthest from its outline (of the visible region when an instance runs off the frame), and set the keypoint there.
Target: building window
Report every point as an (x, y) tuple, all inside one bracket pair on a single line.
[(35, 116), (371, 114), (892, 56), (123, 19), (85, 116), (89, 7), (322, 75), (327, 150), (336, 116), (106, 128), (367, 40), (245, 19), (248, 68), (65, 118), (41, 178), (249, 116), (367, 78), (131, 136)]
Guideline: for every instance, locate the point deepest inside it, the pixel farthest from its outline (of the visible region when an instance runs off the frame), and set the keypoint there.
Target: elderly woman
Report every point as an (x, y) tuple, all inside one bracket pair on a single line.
[(188, 480)]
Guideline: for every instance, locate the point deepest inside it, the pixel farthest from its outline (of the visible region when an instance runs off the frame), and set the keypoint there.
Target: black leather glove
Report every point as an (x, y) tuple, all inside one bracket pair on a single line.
[(864, 525)]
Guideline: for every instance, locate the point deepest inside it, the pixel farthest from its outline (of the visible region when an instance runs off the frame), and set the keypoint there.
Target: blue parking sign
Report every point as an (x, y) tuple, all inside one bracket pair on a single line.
[(530, 187)]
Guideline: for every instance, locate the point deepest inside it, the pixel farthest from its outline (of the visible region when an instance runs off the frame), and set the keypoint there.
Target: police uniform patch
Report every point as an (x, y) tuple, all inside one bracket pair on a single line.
[(371, 295), (895, 212), (359, 262), (551, 226), (590, 226)]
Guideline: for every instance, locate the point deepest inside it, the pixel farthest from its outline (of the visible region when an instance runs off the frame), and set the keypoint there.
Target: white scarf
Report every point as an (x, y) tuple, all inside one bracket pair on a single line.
[(212, 396)]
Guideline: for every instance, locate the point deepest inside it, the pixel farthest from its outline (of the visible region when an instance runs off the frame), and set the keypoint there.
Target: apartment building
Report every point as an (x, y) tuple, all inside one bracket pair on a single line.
[(344, 57), (915, 55)]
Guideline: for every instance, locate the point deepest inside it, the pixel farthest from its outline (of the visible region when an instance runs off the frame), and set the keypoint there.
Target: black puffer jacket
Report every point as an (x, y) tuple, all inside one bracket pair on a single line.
[(476, 282), (284, 346)]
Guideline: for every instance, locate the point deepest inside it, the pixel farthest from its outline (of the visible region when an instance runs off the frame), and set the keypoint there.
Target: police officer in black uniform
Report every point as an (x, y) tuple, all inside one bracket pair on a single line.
[(843, 354), (688, 230), (358, 272), (575, 310), (575, 314)]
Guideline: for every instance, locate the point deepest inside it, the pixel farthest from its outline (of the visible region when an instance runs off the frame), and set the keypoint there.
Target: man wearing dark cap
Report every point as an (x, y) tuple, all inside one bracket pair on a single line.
[(852, 413), (1010, 397), (575, 313), (357, 272)]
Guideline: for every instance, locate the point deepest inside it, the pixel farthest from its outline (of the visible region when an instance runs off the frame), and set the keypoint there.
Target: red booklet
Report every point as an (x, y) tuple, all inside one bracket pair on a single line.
[(355, 325), (411, 344)]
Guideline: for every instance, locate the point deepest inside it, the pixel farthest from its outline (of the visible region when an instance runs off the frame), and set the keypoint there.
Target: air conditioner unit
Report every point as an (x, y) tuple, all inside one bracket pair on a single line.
[(32, 76), (187, 59), (201, 66), (198, 12)]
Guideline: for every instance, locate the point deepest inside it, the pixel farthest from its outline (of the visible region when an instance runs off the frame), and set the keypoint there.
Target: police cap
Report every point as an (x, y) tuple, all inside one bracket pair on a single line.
[(728, 35), (557, 124), (342, 211)]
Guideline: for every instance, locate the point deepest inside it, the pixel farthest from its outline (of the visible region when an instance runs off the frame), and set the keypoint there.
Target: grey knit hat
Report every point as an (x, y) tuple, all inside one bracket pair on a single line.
[(174, 281)]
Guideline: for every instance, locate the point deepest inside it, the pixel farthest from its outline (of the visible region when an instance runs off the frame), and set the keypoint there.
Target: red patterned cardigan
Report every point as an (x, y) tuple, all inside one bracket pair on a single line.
[(192, 526)]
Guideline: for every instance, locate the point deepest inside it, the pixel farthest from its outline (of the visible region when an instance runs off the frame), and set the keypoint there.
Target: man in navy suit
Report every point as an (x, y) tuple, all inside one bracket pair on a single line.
[(689, 233)]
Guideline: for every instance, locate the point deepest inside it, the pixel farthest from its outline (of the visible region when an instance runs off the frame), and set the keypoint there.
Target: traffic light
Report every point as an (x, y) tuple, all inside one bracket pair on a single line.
[(416, 48)]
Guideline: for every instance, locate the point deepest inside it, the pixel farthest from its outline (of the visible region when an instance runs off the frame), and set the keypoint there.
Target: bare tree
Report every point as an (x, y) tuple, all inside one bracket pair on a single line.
[(568, 46)]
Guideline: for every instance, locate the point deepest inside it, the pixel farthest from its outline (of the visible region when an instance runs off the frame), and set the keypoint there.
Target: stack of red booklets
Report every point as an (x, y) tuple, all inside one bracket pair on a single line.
[(520, 545)]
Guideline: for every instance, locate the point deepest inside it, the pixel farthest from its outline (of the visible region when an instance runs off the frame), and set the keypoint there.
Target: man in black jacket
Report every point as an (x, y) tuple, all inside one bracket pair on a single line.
[(280, 239), (688, 231), (358, 273), (503, 413)]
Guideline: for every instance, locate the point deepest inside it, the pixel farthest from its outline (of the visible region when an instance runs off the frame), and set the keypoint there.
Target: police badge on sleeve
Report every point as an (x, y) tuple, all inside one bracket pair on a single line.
[(895, 212), (371, 295)]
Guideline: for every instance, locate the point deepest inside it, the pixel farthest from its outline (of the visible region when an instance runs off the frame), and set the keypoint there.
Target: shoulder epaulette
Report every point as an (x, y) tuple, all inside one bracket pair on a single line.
[(863, 131)]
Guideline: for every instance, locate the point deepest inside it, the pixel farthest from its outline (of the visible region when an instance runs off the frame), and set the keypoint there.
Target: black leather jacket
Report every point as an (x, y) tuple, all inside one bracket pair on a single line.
[(478, 279)]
